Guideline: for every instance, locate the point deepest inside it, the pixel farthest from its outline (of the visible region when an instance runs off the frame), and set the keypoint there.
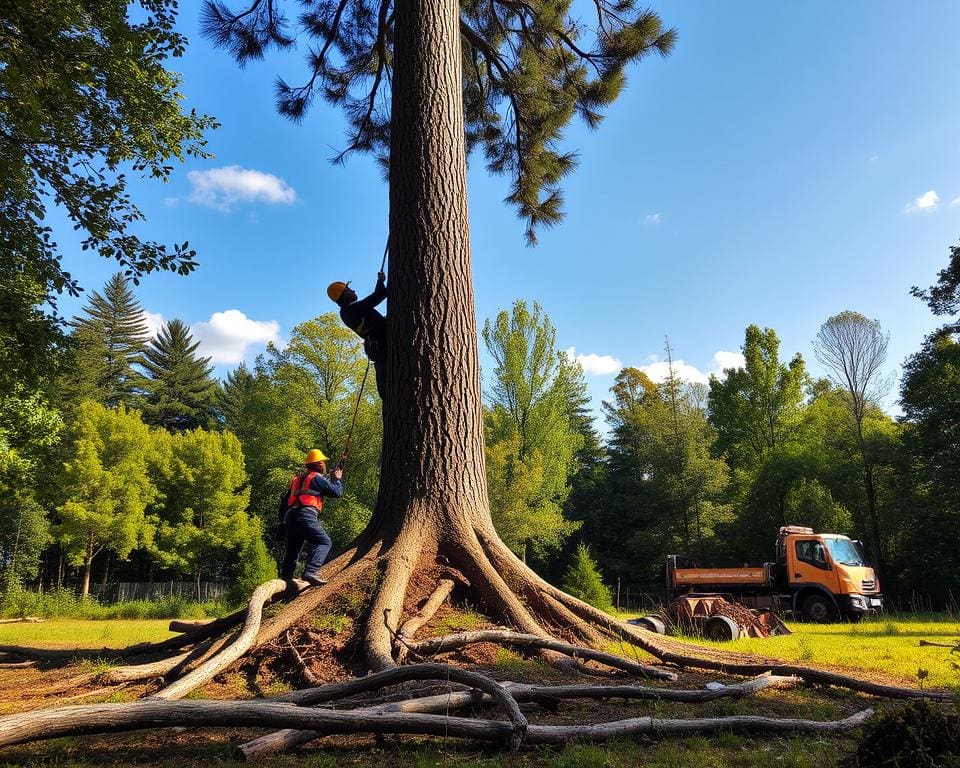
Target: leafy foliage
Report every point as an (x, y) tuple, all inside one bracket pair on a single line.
[(943, 298), (922, 733), (203, 515), (528, 66), (84, 95), (110, 486), (531, 433)]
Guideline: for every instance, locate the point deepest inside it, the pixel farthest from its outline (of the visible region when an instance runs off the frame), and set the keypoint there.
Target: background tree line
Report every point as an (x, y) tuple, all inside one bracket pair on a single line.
[(130, 462)]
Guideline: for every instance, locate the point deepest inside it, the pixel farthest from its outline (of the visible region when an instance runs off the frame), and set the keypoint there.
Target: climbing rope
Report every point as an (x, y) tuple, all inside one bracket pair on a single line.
[(346, 448)]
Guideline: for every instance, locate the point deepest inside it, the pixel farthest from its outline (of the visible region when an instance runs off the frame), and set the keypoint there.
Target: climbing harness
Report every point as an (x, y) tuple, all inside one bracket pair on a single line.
[(346, 448)]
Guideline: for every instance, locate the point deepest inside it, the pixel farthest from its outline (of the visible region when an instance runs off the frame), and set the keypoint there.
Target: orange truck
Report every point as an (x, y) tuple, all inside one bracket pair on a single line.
[(821, 577)]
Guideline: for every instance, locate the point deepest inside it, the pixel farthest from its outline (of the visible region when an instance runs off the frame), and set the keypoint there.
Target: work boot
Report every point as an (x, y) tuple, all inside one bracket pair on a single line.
[(313, 580)]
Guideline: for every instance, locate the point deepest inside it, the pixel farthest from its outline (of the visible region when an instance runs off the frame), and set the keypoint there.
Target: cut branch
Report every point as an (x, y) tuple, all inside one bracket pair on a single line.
[(285, 739), (111, 718)]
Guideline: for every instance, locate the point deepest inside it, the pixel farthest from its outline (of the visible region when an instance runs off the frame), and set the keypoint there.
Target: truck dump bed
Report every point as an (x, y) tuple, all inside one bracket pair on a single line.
[(692, 577)]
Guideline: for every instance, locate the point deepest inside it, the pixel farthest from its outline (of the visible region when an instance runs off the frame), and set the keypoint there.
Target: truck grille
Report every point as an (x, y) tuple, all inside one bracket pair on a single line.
[(869, 585)]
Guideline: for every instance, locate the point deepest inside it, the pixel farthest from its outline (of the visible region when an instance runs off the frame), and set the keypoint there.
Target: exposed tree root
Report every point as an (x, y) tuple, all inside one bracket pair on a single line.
[(232, 652), (506, 637)]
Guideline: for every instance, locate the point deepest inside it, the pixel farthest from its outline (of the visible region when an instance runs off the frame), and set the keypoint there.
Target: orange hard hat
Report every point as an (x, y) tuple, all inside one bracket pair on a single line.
[(314, 455), (335, 290)]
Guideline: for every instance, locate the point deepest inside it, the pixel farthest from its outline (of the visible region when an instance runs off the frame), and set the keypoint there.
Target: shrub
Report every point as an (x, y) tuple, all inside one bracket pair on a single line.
[(921, 734)]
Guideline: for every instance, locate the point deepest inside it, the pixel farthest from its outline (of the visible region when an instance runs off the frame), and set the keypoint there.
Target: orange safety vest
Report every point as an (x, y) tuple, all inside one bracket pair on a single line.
[(301, 495)]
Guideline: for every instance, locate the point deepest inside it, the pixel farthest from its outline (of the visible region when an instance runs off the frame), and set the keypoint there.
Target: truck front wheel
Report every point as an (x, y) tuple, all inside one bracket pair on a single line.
[(818, 609)]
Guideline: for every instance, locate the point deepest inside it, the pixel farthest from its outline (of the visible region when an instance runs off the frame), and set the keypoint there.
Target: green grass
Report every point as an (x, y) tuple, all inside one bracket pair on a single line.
[(889, 645), (84, 633), (64, 603)]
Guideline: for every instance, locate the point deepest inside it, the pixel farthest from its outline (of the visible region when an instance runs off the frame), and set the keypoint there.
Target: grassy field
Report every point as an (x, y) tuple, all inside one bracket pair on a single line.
[(80, 633), (885, 647), (888, 646)]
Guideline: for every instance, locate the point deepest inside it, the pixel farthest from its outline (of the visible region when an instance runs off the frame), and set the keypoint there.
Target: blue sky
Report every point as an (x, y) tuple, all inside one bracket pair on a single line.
[(787, 162)]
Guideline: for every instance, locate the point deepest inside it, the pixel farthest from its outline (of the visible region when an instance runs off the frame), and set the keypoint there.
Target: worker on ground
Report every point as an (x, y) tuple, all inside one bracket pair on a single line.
[(362, 317), (300, 510)]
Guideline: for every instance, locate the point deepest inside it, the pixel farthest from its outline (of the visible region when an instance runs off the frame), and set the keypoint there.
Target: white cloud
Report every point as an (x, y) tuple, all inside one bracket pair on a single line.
[(228, 335), (874, 158), (659, 370), (723, 360), (955, 202), (654, 218), (927, 202), (154, 322), (222, 188), (596, 365)]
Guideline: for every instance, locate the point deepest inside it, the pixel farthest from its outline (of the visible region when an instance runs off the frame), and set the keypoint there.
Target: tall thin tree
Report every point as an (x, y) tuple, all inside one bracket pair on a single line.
[(421, 82), (854, 351)]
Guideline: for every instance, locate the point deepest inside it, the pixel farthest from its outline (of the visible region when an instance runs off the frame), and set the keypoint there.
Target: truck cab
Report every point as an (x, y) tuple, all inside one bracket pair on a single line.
[(823, 576)]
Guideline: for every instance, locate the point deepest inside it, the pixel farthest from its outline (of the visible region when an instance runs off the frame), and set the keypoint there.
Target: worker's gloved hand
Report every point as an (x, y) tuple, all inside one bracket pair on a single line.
[(337, 473)]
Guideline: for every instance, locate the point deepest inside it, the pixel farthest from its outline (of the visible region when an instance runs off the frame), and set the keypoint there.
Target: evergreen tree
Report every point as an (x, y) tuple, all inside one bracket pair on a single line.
[(109, 339), (584, 582), (425, 80), (233, 400), (180, 390)]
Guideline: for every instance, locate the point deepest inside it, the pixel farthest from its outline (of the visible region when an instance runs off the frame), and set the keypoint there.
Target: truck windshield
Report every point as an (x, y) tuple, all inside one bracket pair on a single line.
[(845, 552)]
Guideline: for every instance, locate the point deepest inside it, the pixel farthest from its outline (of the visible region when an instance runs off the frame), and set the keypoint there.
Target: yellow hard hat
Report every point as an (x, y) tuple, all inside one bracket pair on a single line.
[(335, 290), (314, 455)]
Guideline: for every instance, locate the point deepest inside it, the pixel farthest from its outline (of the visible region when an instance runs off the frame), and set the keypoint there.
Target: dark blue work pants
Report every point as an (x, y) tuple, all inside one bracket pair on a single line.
[(303, 527)]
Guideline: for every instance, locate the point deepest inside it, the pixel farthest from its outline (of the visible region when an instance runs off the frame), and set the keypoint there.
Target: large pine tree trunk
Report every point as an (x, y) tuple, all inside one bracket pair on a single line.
[(432, 512)]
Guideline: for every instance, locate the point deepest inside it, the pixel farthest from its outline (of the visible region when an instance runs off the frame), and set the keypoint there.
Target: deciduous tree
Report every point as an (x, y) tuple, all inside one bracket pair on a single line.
[(854, 350), (107, 486), (85, 97), (531, 431)]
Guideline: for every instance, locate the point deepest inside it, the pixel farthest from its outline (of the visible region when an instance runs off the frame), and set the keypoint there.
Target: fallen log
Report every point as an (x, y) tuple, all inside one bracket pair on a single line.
[(282, 740), (508, 637), (113, 718), (494, 691), (192, 625), (23, 620)]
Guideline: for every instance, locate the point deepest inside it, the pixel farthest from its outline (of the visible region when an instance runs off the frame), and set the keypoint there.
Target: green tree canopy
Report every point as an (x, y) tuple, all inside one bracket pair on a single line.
[(106, 486), (532, 428), (528, 68), (201, 520), (28, 429), (755, 407), (180, 393), (85, 97)]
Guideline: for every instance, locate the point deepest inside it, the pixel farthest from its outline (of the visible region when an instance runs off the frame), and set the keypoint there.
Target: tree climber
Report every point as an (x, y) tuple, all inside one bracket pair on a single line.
[(300, 510), (365, 320)]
